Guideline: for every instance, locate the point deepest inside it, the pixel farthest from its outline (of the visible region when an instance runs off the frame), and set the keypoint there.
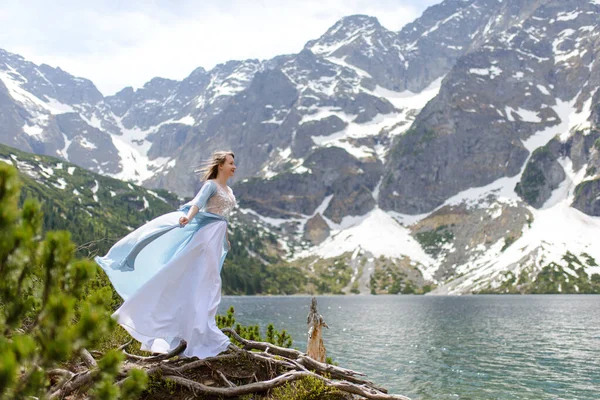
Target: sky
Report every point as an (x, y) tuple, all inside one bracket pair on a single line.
[(119, 43)]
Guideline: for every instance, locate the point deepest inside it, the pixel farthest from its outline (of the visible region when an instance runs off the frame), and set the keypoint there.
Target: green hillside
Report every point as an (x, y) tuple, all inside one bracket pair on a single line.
[(95, 209)]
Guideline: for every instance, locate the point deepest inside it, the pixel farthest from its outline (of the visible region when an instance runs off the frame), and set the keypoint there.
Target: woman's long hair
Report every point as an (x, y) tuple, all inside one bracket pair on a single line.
[(210, 168)]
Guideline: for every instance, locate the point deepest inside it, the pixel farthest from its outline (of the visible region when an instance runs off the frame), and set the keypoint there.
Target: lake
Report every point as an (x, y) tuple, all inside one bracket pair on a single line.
[(442, 347)]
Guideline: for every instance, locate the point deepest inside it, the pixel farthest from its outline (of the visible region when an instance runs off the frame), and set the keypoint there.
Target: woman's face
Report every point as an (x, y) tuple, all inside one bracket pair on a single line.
[(228, 167)]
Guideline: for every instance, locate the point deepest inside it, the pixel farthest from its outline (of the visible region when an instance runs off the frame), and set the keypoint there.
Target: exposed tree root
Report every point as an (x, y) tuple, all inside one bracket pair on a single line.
[(257, 368)]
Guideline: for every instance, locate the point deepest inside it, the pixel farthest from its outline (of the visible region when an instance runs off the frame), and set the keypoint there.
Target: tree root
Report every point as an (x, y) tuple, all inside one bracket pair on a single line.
[(88, 359), (266, 347), (176, 351), (77, 382), (232, 373)]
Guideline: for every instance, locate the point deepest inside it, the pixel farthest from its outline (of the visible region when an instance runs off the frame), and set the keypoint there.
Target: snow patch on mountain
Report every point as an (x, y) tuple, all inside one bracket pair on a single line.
[(33, 130), (60, 183), (407, 103), (378, 233), (342, 62), (83, 142), (226, 85), (343, 33), (522, 115), (408, 99), (133, 147), (13, 80), (56, 107)]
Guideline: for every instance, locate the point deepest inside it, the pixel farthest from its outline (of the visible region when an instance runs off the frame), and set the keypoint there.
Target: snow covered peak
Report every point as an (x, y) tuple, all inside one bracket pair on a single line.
[(233, 76), (160, 83), (46, 82), (354, 23), (11, 58), (344, 32)]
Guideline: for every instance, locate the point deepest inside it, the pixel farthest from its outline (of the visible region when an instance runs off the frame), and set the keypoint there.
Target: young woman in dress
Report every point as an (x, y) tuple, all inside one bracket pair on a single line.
[(168, 270)]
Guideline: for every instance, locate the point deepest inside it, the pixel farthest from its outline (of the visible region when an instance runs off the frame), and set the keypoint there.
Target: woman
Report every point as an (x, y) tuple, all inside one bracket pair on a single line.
[(168, 270)]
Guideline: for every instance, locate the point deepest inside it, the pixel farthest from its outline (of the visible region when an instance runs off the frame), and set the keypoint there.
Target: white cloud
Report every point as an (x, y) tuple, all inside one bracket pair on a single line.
[(116, 44)]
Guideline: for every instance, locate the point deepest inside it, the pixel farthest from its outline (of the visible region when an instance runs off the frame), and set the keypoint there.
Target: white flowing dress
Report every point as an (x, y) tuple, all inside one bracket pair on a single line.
[(169, 276)]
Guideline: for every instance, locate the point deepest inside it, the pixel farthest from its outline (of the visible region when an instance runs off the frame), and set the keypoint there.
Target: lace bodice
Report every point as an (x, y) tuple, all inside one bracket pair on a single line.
[(221, 202), (213, 198)]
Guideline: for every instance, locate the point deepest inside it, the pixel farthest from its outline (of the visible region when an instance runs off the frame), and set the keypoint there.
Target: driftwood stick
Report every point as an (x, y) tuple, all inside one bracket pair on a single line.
[(251, 344), (87, 358), (333, 371), (224, 379), (63, 376), (176, 351), (205, 361), (337, 372), (166, 368), (236, 349), (367, 390), (60, 373), (97, 353), (305, 363), (364, 391), (329, 368), (122, 347), (263, 357), (161, 369), (237, 390), (79, 381)]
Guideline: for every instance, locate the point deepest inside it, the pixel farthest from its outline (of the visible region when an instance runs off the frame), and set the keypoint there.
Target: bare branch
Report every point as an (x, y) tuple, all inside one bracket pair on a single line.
[(176, 351), (123, 346), (205, 361), (80, 381), (337, 372), (88, 359), (224, 379), (251, 344), (310, 363), (237, 390), (97, 353), (66, 376), (91, 246), (59, 372)]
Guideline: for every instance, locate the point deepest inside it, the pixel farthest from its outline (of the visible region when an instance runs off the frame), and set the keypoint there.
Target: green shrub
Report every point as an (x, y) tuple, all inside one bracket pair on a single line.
[(252, 332), (47, 313)]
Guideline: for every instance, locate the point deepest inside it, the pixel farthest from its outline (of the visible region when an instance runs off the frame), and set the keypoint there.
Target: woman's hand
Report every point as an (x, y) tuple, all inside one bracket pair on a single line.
[(183, 221), (228, 245)]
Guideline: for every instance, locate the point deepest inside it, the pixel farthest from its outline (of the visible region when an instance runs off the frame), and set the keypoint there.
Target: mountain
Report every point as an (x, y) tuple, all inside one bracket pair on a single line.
[(459, 154)]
